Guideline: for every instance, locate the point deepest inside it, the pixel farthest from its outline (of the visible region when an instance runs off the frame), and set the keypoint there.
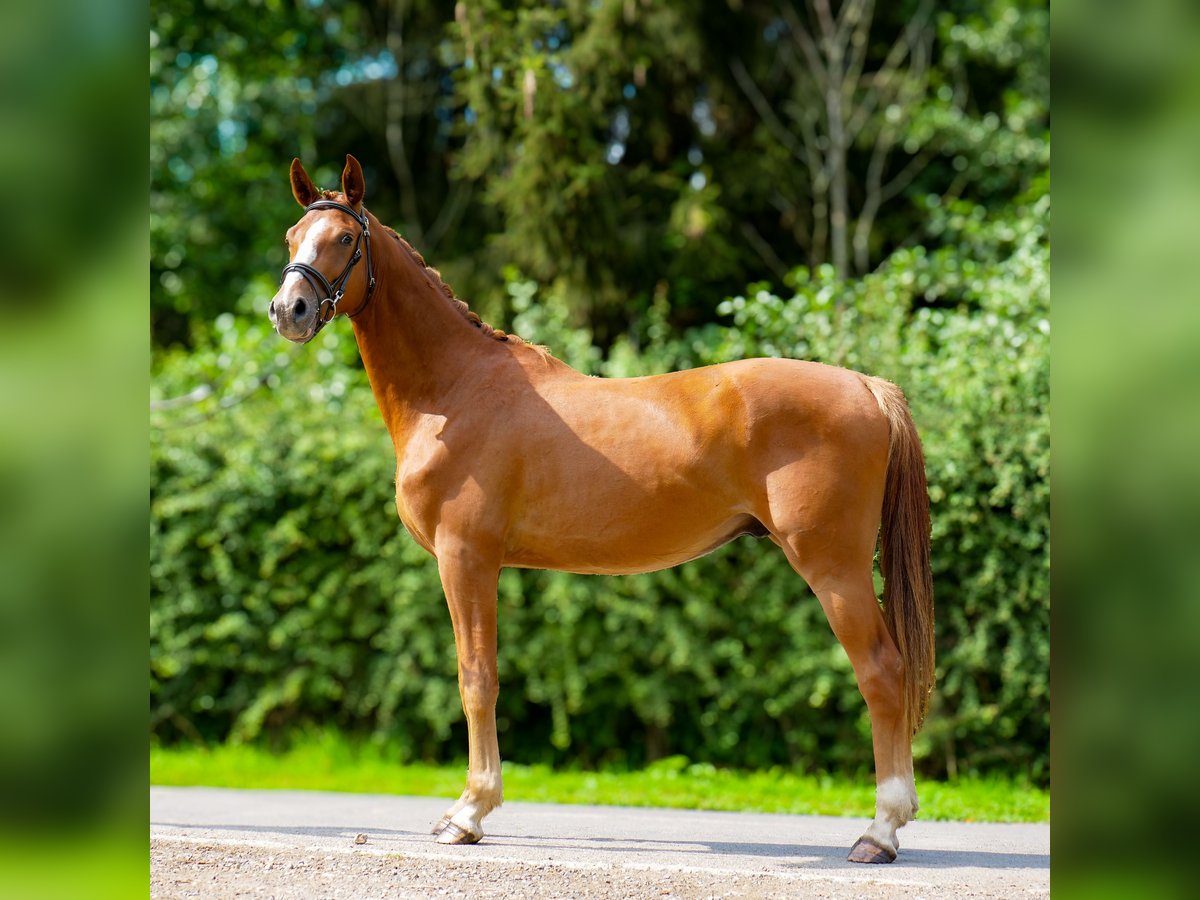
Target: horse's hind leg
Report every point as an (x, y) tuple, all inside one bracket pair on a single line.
[(848, 597)]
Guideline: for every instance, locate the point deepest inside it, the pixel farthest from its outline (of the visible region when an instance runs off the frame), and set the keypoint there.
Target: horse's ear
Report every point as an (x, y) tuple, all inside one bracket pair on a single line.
[(303, 189), (353, 185)]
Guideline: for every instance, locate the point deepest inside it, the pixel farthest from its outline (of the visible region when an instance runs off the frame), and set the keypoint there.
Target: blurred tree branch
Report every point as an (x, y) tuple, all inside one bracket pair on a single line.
[(395, 110), (834, 103)]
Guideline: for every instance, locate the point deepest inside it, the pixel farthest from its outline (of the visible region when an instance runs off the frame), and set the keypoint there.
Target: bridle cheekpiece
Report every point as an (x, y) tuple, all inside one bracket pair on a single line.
[(330, 293)]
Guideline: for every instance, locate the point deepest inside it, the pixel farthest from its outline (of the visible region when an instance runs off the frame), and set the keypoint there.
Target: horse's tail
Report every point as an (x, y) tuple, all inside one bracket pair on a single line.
[(904, 551)]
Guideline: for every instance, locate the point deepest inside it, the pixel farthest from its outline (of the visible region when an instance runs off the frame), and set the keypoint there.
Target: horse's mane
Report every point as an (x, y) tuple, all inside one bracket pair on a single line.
[(436, 278), (461, 305)]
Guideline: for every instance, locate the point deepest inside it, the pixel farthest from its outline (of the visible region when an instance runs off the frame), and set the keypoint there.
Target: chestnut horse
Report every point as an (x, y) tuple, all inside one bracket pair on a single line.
[(506, 456)]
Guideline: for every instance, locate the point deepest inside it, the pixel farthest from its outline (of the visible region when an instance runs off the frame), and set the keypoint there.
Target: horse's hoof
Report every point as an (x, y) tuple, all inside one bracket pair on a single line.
[(452, 834), (867, 851), (441, 824)]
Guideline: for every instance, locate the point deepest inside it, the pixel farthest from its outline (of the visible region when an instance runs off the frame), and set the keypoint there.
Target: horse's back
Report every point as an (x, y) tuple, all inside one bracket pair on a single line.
[(749, 413)]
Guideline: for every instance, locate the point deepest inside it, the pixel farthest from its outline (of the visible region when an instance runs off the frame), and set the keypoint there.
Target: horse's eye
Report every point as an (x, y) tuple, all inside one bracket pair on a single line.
[(346, 239)]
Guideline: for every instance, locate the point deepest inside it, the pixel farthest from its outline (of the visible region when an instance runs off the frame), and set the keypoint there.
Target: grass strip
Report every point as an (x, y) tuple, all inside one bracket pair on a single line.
[(331, 762)]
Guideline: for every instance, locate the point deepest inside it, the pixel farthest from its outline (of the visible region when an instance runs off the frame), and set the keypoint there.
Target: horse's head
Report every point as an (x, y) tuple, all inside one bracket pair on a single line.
[(324, 248)]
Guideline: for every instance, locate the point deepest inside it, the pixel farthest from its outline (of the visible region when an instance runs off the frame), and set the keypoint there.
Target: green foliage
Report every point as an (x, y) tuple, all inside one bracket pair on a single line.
[(682, 148), (284, 590), (282, 584), (588, 111), (620, 154)]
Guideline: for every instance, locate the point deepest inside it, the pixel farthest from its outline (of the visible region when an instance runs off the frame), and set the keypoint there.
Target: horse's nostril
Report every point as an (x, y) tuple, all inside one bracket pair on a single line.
[(271, 309), (300, 307)]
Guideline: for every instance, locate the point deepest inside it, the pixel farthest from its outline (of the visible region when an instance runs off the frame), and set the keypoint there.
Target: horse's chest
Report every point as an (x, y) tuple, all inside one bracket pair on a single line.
[(417, 516), (418, 527), (421, 474)]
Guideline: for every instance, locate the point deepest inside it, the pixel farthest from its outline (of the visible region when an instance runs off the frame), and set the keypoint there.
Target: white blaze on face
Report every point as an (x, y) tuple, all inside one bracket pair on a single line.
[(317, 234)]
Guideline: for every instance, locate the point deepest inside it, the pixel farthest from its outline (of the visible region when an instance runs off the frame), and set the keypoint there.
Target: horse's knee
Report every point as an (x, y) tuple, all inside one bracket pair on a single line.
[(479, 689)]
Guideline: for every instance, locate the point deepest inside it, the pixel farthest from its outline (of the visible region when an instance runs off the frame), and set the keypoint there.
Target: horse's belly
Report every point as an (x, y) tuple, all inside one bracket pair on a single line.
[(644, 493), (628, 548)]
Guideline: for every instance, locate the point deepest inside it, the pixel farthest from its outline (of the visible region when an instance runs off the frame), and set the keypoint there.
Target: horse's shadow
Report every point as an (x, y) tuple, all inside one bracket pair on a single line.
[(793, 856), (800, 855)]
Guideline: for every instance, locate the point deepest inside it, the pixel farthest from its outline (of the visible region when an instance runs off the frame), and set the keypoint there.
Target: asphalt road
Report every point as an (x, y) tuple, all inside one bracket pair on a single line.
[(212, 842)]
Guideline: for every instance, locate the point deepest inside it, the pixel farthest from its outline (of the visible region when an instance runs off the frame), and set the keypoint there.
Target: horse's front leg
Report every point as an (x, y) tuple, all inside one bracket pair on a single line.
[(469, 578)]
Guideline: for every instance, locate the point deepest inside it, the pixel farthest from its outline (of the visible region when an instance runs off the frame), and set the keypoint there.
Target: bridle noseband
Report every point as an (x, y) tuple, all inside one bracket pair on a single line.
[(332, 292)]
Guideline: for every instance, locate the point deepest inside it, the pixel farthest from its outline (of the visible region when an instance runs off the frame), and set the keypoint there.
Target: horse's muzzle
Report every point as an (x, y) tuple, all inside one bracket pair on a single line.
[(294, 317)]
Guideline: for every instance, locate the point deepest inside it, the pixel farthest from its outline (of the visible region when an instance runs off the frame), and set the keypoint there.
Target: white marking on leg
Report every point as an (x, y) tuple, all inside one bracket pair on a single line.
[(484, 793), (454, 808), (895, 806)]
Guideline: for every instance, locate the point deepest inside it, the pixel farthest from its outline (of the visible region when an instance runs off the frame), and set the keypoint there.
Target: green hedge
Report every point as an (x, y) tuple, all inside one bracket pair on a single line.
[(286, 592)]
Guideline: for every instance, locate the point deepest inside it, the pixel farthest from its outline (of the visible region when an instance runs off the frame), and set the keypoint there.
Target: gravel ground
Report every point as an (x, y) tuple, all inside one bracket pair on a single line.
[(186, 870), (214, 842)]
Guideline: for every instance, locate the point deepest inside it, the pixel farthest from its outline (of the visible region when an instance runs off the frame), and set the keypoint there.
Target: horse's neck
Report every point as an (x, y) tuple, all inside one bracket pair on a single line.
[(414, 344)]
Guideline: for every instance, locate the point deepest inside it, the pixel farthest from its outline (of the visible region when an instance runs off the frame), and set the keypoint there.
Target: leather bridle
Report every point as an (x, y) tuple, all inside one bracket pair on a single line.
[(331, 293)]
